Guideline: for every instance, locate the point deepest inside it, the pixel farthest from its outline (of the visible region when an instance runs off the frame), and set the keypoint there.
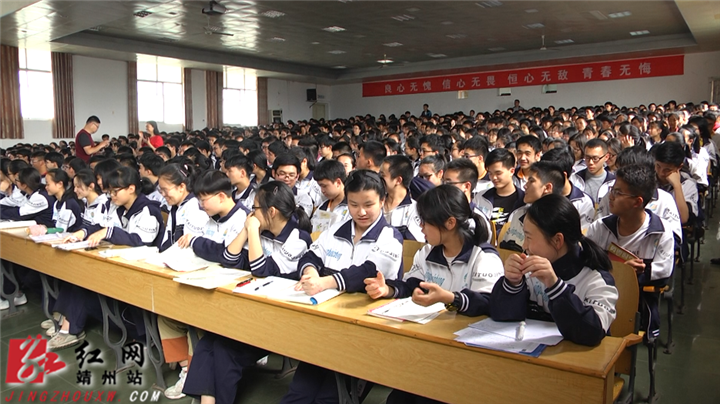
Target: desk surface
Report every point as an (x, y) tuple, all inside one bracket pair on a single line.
[(339, 335)]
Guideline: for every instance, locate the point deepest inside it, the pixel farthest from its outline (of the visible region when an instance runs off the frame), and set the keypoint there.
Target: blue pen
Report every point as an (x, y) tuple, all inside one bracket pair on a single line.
[(313, 300), (262, 286)]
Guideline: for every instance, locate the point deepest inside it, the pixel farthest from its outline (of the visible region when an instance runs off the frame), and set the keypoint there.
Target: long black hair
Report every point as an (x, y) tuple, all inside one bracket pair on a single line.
[(87, 178), (58, 175), (177, 174), (30, 177), (555, 214), (276, 194), (437, 205), (103, 170), (123, 177)]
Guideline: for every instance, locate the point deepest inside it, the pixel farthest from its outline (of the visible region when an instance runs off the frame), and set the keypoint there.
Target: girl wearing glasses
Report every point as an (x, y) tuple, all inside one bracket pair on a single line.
[(272, 241)]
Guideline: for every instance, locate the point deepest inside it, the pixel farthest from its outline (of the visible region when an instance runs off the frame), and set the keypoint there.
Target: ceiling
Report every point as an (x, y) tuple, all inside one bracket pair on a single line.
[(293, 38)]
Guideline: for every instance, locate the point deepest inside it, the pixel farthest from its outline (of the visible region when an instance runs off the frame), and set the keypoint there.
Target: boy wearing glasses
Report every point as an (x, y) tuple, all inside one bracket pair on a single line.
[(476, 149), (641, 232), (286, 168), (594, 179)]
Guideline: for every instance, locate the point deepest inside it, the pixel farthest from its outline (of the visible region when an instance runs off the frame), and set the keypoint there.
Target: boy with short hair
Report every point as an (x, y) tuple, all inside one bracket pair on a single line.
[(594, 179), (239, 170), (330, 176), (563, 160), (399, 208), (149, 167), (501, 200), (287, 169), (529, 150), (476, 149)]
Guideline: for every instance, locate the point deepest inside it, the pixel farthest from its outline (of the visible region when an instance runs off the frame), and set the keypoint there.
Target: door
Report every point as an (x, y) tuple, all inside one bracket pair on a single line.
[(319, 111)]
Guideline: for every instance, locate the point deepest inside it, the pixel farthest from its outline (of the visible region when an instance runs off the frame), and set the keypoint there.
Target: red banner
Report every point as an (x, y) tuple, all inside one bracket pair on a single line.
[(575, 73)]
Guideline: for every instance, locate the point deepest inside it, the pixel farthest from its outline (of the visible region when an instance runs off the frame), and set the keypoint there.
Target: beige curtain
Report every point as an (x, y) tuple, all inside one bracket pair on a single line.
[(187, 88), (214, 90), (133, 123), (11, 122), (62, 72), (262, 93)]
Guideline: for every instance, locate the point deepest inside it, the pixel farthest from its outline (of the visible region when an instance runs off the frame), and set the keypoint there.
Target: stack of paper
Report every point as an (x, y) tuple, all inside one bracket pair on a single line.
[(50, 238), (131, 254), (14, 225), (284, 289), (212, 278), (179, 259), (406, 310), (74, 246), (501, 336)]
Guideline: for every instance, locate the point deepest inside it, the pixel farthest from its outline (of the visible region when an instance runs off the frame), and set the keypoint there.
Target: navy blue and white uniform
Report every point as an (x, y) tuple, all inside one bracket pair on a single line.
[(662, 204), (485, 202), (156, 196), (515, 234), (303, 199), (404, 217), (218, 232), (142, 224), (281, 254), (15, 199), (690, 192), (322, 221), (584, 205), (68, 215), (470, 275), (311, 187), (581, 302), (654, 243), (38, 207), (335, 254), (581, 177), (185, 218), (95, 212), (247, 196)]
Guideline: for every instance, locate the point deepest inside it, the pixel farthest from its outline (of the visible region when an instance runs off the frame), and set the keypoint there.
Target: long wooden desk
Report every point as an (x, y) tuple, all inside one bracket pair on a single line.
[(338, 335)]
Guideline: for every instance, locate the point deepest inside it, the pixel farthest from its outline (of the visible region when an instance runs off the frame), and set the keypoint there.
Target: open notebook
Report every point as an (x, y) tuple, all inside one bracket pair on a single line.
[(406, 310), (284, 289), (212, 277), (179, 259)]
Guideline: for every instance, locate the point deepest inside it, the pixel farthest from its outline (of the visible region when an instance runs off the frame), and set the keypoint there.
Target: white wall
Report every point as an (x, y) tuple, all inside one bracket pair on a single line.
[(199, 99), (291, 96), (100, 89), (693, 85)]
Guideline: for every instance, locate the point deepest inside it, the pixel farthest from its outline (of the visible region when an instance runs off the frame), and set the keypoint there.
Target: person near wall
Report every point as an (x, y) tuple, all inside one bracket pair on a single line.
[(152, 137), (84, 144)]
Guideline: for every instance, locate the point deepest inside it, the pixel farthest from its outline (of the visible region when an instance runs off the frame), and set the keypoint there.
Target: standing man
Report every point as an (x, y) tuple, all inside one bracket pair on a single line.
[(426, 112), (84, 144)]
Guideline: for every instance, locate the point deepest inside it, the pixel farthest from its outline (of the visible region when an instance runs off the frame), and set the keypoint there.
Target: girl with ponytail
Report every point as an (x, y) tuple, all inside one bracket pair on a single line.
[(562, 276), (67, 210)]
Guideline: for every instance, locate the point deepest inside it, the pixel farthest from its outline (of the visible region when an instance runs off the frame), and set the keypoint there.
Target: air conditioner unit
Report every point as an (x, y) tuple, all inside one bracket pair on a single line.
[(275, 115)]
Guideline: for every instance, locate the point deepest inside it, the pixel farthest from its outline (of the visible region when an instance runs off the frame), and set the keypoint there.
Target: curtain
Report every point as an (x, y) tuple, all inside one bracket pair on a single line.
[(187, 87), (214, 91), (133, 123), (11, 122), (262, 93), (62, 73)]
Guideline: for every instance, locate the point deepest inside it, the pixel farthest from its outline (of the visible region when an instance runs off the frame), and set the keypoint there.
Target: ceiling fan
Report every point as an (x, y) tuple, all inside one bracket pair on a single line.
[(385, 61), (543, 47), (214, 30)]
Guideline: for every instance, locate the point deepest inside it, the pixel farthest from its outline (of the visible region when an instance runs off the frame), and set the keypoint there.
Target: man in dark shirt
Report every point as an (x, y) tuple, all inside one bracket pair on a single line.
[(84, 144)]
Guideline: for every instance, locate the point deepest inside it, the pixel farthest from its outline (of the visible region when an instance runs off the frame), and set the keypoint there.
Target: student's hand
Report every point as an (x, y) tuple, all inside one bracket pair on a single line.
[(74, 237), (376, 287), (674, 179), (184, 241), (252, 223), (637, 264), (627, 141), (514, 268), (540, 268), (37, 230), (97, 237), (309, 270), (434, 294), (312, 284)]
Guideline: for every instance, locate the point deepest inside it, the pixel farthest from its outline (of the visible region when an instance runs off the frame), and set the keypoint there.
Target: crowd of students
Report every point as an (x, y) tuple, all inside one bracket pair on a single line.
[(558, 186)]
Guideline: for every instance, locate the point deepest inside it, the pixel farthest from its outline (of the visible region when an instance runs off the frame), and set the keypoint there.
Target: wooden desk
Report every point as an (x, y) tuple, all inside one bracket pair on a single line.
[(339, 336)]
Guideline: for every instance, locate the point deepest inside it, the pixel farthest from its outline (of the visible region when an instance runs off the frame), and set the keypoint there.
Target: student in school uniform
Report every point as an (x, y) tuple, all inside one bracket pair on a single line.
[(239, 170), (503, 198), (462, 174), (175, 182), (476, 149), (38, 205), (638, 230), (274, 237), (14, 197), (342, 257), (67, 209), (594, 179), (562, 276), (286, 168), (330, 176), (529, 150), (140, 223), (149, 166), (399, 208), (87, 189), (543, 179), (669, 160), (563, 160)]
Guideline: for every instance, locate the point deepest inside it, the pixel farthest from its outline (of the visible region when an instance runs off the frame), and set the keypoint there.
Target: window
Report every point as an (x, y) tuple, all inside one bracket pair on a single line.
[(36, 85), (240, 105), (160, 92)]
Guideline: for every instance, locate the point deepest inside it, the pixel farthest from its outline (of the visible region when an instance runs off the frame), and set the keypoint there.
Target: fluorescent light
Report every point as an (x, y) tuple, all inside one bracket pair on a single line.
[(564, 41), (534, 26), (334, 28), (339, 67), (314, 43), (620, 14), (273, 14), (392, 44), (277, 39), (385, 61), (456, 36), (413, 9), (437, 55), (638, 33), (336, 52), (489, 4), (403, 17)]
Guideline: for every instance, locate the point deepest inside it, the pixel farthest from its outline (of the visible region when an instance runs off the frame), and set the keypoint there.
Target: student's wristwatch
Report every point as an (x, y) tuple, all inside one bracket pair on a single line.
[(456, 303)]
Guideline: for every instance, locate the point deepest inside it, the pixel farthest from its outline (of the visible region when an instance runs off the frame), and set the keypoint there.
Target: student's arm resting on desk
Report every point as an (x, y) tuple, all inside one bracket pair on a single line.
[(385, 257), (210, 250), (144, 234), (33, 206), (283, 262)]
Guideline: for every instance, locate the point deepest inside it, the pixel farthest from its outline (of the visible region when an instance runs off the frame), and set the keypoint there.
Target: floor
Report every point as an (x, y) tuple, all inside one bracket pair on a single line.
[(689, 375)]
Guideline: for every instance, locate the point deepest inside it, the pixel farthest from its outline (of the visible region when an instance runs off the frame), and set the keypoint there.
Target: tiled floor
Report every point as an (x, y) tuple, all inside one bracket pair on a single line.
[(690, 375)]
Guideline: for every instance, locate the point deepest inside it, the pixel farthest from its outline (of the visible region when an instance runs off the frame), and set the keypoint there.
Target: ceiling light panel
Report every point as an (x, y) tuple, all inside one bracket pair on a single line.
[(536, 25), (334, 28), (489, 4), (392, 44), (564, 41), (273, 14), (336, 52), (638, 33), (620, 14), (402, 17)]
